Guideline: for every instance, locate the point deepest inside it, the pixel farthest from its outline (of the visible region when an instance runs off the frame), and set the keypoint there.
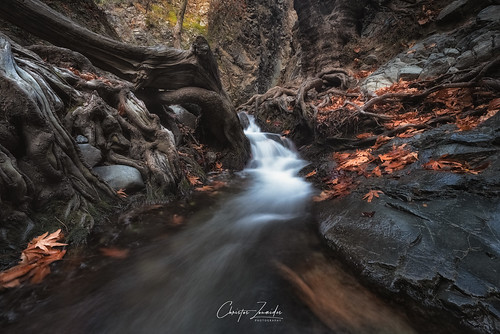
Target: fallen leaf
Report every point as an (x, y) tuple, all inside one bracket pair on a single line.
[(35, 260), (114, 252), (45, 241), (372, 193), (194, 180), (423, 21), (177, 219), (311, 174), (369, 214), (325, 195), (121, 192), (377, 172), (364, 135), (494, 104)]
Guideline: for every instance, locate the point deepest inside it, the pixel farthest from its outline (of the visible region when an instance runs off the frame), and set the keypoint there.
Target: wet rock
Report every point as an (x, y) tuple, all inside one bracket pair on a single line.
[(451, 52), (484, 47), (90, 154), (410, 72), (432, 235), (437, 66), (244, 121), (489, 14), (452, 11), (185, 117), (466, 60), (121, 177), (81, 139)]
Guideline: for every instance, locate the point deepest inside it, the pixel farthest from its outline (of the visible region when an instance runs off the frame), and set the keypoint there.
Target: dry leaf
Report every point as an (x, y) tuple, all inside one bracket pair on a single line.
[(35, 260), (114, 252), (372, 193), (121, 192), (364, 135), (377, 172), (44, 241), (194, 180), (177, 219), (314, 172)]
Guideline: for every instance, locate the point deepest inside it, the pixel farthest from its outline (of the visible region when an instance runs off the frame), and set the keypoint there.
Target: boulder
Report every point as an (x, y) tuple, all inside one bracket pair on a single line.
[(81, 139), (410, 72), (489, 14), (90, 154), (184, 116), (466, 60), (121, 177)]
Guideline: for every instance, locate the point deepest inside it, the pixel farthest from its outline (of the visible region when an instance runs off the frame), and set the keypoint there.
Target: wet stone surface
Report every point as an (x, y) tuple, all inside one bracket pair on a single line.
[(434, 236)]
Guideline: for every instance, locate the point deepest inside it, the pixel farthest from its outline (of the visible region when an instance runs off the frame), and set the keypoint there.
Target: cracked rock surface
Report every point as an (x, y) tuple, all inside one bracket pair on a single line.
[(434, 235)]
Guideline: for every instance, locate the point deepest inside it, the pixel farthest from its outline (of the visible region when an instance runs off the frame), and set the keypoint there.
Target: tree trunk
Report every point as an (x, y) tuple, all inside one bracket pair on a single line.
[(148, 67), (178, 26)]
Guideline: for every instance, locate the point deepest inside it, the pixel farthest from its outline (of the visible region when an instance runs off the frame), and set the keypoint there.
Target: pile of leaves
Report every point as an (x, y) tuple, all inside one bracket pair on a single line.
[(35, 260), (405, 108), (402, 110)]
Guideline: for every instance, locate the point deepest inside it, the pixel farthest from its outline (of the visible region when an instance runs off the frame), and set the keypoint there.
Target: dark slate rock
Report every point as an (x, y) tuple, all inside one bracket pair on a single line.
[(244, 121), (451, 52), (430, 252), (489, 14), (121, 177), (434, 236), (466, 60), (452, 11), (91, 155), (410, 72)]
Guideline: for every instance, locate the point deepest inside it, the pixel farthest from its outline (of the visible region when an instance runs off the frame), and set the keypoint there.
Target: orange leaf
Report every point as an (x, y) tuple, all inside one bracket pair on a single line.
[(325, 195), (494, 104), (433, 164), (194, 180), (121, 192), (38, 273), (314, 172), (45, 241), (372, 193), (177, 219), (15, 272), (364, 135), (377, 172), (114, 252)]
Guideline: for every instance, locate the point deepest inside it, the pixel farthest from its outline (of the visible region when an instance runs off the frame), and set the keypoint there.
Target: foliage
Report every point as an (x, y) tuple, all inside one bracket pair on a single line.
[(35, 260)]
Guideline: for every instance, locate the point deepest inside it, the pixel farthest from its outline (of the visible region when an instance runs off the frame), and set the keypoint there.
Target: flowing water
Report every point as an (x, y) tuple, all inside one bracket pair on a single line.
[(251, 263)]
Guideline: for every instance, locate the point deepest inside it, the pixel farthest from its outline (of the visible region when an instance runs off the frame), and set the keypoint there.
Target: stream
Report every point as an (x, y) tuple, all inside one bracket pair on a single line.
[(250, 263)]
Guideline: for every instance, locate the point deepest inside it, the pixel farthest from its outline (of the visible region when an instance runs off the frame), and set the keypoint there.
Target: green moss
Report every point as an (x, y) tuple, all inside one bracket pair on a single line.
[(160, 14)]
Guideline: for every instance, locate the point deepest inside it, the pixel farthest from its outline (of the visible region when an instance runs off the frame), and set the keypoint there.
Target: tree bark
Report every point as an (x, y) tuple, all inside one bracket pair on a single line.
[(178, 26), (149, 67)]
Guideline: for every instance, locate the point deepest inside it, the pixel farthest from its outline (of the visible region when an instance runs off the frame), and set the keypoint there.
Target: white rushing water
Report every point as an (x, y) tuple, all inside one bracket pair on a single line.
[(276, 192)]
